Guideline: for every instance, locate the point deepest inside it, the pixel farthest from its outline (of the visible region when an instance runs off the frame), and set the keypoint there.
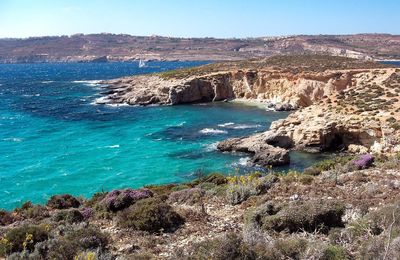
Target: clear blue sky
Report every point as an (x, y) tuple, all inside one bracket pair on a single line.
[(198, 18)]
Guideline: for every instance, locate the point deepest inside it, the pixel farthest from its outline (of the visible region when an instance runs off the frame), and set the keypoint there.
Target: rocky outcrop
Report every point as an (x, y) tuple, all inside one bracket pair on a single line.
[(263, 154), (279, 90)]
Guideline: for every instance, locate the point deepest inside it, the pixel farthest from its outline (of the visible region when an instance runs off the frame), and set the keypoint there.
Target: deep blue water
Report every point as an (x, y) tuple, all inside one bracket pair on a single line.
[(53, 139)]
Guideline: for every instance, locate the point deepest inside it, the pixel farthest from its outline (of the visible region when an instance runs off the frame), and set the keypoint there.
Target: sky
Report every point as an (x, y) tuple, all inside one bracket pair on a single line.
[(198, 18)]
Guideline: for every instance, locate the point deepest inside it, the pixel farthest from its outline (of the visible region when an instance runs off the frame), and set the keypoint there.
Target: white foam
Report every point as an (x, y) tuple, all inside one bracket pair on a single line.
[(212, 131), (178, 125), (118, 105), (100, 100), (226, 124), (113, 146), (242, 162), (87, 81), (13, 139), (211, 147), (231, 125), (245, 126), (47, 81)]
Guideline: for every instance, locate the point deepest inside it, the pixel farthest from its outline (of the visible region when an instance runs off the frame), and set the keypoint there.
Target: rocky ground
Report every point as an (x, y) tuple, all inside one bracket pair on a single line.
[(342, 208)]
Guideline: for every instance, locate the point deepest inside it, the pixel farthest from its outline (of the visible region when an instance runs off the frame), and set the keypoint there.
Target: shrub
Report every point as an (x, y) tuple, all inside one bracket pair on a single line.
[(290, 248), (230, 246), (315, 215), (87, 213), (23, 238), (30, 211), (118, 200), (334, 252), (330, 164), (63, 202), (152, 215), (95, 199), (240, 188), (313, 171), (77, 241), (6, 218), (294, 176), (162, 190), (188, 196), (69, 216), (363, 162), (215, 178)]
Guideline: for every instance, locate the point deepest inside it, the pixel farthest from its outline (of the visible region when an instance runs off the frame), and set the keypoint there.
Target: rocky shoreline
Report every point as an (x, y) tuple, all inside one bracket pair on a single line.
[(340, 104)]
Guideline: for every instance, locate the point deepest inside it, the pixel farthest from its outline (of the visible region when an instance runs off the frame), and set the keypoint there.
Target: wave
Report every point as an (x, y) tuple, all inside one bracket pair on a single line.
[(13, 139), (118, 105), (47, 81), (178, 125), (245, 126), (87, 81), (231, 125), (212, 131), (226, 124), (113, 146), (244, 161)]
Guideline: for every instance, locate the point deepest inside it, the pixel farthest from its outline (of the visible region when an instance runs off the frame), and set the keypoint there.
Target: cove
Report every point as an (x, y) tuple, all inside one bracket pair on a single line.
[(55, 140)]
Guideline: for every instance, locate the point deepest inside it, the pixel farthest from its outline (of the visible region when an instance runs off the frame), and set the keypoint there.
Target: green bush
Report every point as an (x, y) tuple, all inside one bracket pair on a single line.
[(68, 216), (152, 215), (290, 248), (334, 252), (24, 237), (240, 188), (330, 164), (64, 201), (313, 171), (315, 215), (215, 178), (30, 211), (188, 196), (230, 246), (77, 241)]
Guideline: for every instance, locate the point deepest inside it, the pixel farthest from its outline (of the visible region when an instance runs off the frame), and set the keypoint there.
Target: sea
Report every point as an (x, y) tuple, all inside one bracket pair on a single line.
[(54, 138)]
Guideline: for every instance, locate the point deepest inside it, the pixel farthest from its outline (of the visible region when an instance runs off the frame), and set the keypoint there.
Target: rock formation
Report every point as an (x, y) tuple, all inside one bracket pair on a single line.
[(341, 102)]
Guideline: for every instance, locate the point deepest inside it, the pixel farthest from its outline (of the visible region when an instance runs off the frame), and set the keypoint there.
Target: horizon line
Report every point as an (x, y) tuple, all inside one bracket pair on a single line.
[(191, 37)]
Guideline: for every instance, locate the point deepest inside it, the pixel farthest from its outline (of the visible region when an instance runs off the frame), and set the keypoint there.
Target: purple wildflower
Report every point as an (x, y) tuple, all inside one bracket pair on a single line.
[(87, 212), (364, 161), (120, 199)]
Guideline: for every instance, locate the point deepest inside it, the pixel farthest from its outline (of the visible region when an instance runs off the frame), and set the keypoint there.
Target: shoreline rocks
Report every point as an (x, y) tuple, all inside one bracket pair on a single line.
[(263, 154)]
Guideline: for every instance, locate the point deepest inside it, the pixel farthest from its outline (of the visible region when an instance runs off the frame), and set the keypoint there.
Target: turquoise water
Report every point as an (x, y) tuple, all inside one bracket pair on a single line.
[(53, 139)]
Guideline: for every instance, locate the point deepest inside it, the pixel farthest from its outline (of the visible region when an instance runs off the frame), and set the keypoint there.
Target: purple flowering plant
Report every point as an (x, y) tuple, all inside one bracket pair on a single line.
[(117, 200), (363, 161)]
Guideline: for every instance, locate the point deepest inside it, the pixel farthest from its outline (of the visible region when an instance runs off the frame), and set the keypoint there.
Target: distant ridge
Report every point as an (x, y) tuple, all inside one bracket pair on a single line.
[(106, 47)]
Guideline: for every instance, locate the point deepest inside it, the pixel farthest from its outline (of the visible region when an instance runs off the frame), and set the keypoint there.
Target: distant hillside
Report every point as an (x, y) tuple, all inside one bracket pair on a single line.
[(121, 47)]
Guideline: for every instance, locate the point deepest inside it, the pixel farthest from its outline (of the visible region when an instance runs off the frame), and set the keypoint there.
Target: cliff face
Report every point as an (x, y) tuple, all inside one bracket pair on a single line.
[(265, 86), (358, 112)]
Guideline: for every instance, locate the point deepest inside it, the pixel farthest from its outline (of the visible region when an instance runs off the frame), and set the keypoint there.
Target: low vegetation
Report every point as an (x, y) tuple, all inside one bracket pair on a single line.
[(345, 207), (287, 63)]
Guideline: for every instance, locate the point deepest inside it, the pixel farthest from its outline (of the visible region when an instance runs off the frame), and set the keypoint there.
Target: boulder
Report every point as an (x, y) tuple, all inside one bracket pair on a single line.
[(263, 153), (273, 156)]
